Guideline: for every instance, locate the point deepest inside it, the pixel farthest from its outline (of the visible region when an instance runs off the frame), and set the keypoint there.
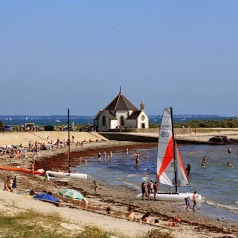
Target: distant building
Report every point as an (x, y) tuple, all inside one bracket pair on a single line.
[(119, 114)]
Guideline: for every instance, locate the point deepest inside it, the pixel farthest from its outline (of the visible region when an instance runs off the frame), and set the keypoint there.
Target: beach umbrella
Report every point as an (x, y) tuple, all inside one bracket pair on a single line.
[(71, 193), (46, 197), (14, 184)]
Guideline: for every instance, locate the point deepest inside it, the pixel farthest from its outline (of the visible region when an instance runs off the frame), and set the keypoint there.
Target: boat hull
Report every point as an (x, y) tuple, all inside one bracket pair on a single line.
[(171, 197), (66, 175)]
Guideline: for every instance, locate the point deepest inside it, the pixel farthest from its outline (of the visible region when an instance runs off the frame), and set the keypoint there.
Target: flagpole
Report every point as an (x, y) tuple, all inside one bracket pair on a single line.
[(69, 143)]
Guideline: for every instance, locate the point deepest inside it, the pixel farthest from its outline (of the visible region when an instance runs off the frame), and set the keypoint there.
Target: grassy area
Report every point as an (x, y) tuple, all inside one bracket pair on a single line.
[(203, 130), (31, 224), (226, 123)]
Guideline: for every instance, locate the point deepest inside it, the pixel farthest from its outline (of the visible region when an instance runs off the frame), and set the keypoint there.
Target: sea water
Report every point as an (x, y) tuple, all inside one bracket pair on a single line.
[(216, 182)]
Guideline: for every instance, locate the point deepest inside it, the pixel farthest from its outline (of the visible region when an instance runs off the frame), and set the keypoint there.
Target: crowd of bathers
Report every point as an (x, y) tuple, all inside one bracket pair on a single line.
[(148, 189)]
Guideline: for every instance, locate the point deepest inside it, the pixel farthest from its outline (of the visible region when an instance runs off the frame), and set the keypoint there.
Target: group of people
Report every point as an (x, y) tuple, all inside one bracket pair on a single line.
[(130, 215), (188, 202), (106, 157), (148, 189)]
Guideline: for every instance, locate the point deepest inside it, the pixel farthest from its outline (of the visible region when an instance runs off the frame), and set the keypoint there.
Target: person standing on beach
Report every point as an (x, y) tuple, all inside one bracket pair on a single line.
[(33, 165), (143, 190), (95, 186), (194, 200), (70, 168), (149, 189), (127, 151), (188, 204), (229, 150), (156, 189)]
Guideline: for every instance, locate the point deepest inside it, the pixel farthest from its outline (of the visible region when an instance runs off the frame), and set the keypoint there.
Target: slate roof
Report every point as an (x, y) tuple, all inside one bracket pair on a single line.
[(98, 115), (108, 114), (120, 102), (134, 115)]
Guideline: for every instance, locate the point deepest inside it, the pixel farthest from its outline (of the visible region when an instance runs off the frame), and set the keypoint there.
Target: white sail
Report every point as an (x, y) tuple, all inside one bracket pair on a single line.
[(170, 168)]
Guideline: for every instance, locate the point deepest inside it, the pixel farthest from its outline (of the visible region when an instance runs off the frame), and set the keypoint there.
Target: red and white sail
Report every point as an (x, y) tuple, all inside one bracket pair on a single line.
[(169, 160)]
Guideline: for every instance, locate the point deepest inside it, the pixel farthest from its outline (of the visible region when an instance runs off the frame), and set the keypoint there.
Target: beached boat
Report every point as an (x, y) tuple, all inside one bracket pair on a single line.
[(13, 168), (59, 174), (170, 168), (65, 175)]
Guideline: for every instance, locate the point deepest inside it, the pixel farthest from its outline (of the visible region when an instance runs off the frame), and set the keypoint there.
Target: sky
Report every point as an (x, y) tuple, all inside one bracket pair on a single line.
[(76, 54)]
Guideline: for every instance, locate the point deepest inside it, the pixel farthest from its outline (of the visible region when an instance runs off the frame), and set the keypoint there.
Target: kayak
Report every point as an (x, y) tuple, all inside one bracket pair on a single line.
[(12, 168)]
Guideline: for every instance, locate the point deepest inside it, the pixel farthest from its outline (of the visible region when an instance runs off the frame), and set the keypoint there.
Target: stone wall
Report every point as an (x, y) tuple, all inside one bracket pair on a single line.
[(128, 137)]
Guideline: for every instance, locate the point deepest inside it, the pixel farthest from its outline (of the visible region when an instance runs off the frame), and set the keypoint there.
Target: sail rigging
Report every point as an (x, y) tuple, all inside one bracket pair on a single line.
[(170, 168)]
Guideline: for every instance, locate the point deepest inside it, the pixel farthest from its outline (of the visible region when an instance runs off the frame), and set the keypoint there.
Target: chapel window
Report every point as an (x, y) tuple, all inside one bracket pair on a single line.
[(104, 121)]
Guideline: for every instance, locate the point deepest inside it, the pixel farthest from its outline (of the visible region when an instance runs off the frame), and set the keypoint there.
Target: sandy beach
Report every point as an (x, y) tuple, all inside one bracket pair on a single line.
[(118, 198)]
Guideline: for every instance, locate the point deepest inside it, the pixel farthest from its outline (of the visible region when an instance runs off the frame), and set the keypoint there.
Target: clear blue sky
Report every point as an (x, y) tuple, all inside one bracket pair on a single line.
[(76, 54)]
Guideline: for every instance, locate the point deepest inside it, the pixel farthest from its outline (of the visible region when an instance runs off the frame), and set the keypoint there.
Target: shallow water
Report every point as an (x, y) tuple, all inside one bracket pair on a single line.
[(217, 182)]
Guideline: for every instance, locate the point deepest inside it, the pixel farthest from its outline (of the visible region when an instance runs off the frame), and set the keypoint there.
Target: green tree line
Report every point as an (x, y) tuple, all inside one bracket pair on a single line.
[(226, 123)]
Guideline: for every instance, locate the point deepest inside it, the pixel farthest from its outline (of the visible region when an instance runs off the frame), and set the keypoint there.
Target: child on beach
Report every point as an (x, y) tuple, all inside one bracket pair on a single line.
[(188, 204), (95, 186), (8, 184), (108, 210)]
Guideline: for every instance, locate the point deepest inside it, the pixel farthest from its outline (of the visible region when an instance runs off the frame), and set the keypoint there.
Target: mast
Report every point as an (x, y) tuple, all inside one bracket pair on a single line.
[(174, 151), (68, 142)]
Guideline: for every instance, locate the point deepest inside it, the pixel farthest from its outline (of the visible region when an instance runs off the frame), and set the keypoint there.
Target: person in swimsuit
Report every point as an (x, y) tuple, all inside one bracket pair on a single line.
[(194, 200), (130, 214), (149, 189), (188, 204), (146, 218), (8, 184), (95, 186), (33, 165), (137, 158), (155, 187), (99, 156), (143, 190)]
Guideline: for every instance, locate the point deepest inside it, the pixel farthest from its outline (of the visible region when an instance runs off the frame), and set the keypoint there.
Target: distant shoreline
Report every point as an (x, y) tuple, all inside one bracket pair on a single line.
[(55, 120)]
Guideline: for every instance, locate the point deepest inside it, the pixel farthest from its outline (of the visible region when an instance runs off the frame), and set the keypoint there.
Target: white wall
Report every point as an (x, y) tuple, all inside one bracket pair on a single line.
[(140, 121), (114, 124)]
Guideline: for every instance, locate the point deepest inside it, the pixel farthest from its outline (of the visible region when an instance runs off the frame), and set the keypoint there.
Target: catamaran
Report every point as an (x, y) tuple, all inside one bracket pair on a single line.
[(51, 175), (170, 168)]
